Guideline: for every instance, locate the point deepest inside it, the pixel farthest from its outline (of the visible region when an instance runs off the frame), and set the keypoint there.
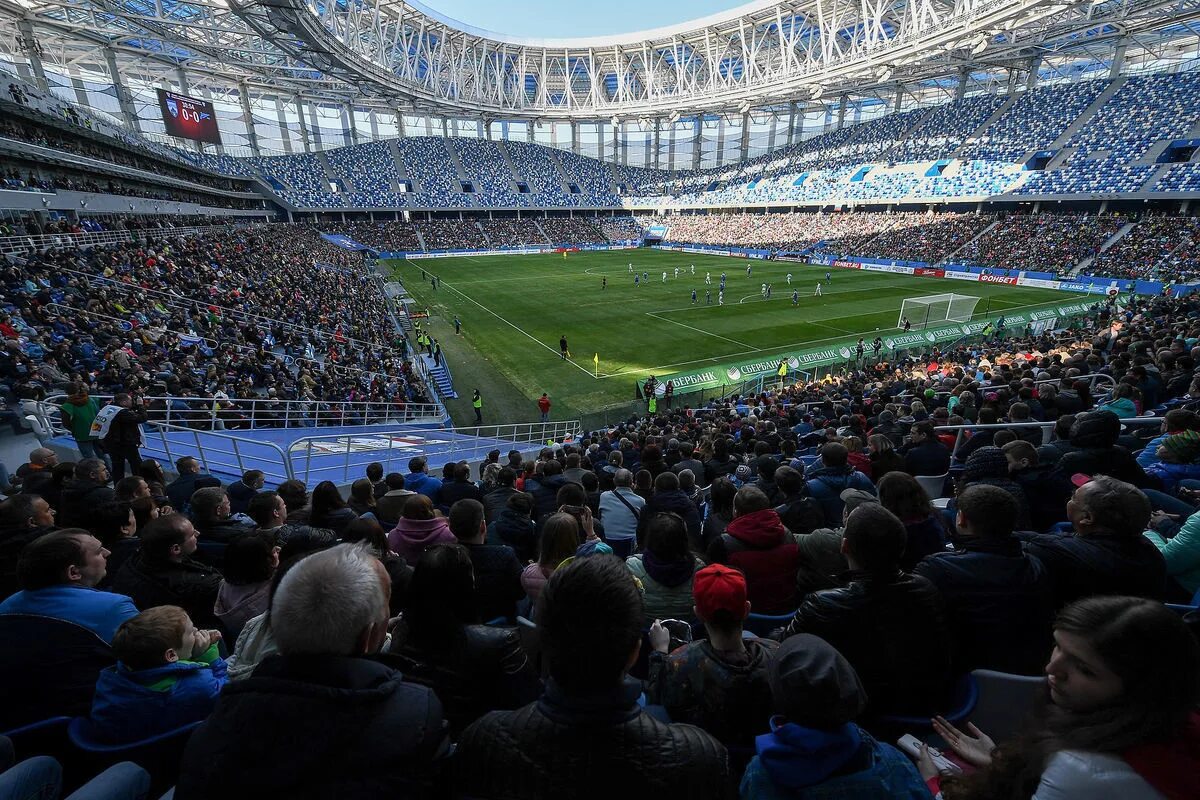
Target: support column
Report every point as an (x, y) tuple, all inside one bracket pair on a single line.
[(303, 124), (897, 99), (745, 143), (654, 161), (792, 136), (32, 51), (574, 137), (1118, 61), (248, 117), (1031, 79), (960, 91), (696, 141), (841, 113), (529, 131), (400, 123), (124, 101), (349, 125)]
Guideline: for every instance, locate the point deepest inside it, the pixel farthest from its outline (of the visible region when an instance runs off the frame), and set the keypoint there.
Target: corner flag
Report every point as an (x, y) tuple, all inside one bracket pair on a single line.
[(596, 361)]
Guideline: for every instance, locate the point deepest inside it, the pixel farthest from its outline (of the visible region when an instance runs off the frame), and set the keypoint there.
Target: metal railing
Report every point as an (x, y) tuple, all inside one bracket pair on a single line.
[(1047, 428), (256, 413), (40, 241), (242, 453), (309, 455)]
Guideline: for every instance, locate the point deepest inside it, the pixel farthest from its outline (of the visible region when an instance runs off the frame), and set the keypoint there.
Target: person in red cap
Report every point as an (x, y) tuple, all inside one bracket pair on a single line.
[(719, 683)]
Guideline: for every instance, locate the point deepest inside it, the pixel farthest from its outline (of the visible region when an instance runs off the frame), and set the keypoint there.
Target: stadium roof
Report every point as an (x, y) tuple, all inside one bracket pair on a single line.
[(402, 54)]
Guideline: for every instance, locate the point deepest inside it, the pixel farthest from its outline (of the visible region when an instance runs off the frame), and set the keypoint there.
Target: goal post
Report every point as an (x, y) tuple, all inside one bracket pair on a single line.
[(921, 312)]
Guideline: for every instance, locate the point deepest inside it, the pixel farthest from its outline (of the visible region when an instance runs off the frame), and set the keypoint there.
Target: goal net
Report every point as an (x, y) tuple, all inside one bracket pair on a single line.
[(921, 312)]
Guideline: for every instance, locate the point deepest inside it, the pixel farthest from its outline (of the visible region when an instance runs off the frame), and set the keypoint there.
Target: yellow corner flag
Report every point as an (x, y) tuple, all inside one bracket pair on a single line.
[(596, 361)]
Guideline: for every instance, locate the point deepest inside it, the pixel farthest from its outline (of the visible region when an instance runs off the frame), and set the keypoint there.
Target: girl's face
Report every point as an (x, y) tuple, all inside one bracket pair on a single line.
[(1079, 679)]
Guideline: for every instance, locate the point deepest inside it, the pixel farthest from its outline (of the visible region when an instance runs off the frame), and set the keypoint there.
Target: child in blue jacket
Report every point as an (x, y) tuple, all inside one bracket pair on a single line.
[(168, 674)]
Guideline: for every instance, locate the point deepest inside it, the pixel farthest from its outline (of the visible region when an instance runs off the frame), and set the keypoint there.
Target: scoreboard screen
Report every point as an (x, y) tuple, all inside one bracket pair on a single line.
[(189, 117)]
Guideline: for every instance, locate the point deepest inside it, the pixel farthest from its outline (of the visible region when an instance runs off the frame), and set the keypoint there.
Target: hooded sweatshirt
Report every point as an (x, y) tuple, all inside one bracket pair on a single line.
[(760, 546), (79, 412), (411, 537)]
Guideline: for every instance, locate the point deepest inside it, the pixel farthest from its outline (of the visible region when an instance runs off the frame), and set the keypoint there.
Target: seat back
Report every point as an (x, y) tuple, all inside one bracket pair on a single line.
[(159, 755), (762, 624), (47, 737), (50, 666), (622, 548), (530, 637), (933, 484), (1004, 701)]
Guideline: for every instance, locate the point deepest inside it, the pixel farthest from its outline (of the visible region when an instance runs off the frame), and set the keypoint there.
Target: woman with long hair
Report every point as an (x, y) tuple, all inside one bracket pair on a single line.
[(419, 527), (1118, 719), (439, 643), (666, 567), (720, 510), (362, 497), (329, 510), (558, 542), (884, 458), (901, 494), (368, 531)]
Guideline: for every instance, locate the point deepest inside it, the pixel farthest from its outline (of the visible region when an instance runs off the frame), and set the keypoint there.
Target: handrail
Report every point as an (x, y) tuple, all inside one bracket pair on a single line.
[(38, 241), (263, 412), (1047, 427), (213, 460), (1090, 378), (396, 454)]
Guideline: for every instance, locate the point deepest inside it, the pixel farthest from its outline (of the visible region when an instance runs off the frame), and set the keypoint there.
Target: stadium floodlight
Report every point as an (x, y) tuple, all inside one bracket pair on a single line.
[(673, 118), (817, 91), (981, 44), (744, 108), (921, 312), (884, 73)]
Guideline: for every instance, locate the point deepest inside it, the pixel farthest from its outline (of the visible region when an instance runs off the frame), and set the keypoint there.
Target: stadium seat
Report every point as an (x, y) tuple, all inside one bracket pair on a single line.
[(933, 485), (45, 737), (527, 630), (1003, 701), (960, 705), (159, 755)]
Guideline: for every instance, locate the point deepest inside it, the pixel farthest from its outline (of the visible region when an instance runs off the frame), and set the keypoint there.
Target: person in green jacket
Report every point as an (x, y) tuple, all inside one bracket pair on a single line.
[(477, 404), (78, 414), (1182, 553)]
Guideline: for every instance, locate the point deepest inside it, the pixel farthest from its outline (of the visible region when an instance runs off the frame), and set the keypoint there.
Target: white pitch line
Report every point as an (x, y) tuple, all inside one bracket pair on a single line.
[(697, 330), (521, 331)]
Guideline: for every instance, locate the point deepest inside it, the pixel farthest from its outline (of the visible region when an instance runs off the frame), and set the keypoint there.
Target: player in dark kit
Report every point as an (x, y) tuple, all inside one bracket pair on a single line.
[(562, 346)]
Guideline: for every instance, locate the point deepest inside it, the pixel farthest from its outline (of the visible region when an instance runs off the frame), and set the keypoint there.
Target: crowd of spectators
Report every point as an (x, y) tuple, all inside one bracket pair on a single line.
[(928, 237), (590, 616), (1143, 252), (1041, 242), (572, 230), (504, 232), (276, 313)]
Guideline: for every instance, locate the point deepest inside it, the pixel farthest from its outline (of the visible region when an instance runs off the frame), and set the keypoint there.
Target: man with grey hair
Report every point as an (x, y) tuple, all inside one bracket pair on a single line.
[(621, 508), (84, 493), (321, 718)]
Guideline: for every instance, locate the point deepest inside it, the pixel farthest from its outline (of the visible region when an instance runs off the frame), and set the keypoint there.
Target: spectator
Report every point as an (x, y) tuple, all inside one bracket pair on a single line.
[(665, 568), (56, 671), (121, 433), (168, 674), (375, 476), (1120, 720), (924, 454), (115, 525), (901, 494), (988, 466), (1175, 460), (440, 643), (419, 527), (78, 413), (250, 562), (1044, 495), (210, 514), (242, 490), (496, 568), (1095, 451), (590, 621), (514, 528), (83, 493), (34, 475), (668, 497), (362, 498), (884, 458), (295, 496), (164, 572), (319, 701), (190, 479), (152, 472), (799, 513), (756, 543), (461, 487), (370, 532), (557, 542), (814, 748), (821, 560), (270, 513), (621, 508), (420, 481), (495, 501), (23, 518), (835, 475), (887, 622), (390, 506), (1106, 552), (999, 599), (720, 511), (329, 510), (718, 683)]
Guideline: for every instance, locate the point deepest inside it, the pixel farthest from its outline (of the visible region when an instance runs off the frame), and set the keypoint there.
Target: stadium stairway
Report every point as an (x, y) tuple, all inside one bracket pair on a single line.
[(1088, 113), (946, 259), (1112, 240), (441, 377), (976, 134)]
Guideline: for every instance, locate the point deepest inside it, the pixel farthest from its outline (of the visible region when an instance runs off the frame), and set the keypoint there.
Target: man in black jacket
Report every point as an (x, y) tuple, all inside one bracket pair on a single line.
[(587, 736), (84, 493), (461, 488), (164, 573), (124, 436), (1106, 553), (190, 479), (999, 599), (668, 497), (321, 719), (496, 500), (497, 570), (888, 624), (924, 454)]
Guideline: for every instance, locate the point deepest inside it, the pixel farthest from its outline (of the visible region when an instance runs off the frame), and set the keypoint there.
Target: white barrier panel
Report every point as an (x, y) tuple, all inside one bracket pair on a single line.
[(1039, 283), (888, 268), (955, 275)]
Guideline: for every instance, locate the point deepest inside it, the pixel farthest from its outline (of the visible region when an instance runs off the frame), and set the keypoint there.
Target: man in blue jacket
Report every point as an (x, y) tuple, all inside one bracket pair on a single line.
[(832, 477), (420, 481)]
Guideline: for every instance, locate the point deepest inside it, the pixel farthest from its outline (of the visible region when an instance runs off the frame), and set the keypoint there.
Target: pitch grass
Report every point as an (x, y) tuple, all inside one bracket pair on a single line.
[(514, 309)]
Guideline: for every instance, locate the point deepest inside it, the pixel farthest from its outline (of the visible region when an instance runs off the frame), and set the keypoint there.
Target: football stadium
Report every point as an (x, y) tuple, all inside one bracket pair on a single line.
[(770, 399)]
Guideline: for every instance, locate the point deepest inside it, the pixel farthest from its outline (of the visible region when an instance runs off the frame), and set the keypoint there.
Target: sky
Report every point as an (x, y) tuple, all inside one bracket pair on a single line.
[(574, 18)]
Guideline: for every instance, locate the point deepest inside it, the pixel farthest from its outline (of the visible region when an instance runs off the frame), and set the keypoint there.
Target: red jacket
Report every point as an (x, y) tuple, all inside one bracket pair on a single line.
[(760, 546)]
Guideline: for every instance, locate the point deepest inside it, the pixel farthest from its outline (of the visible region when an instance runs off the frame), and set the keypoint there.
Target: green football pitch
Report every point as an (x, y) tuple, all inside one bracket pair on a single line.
[(514, 308)]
